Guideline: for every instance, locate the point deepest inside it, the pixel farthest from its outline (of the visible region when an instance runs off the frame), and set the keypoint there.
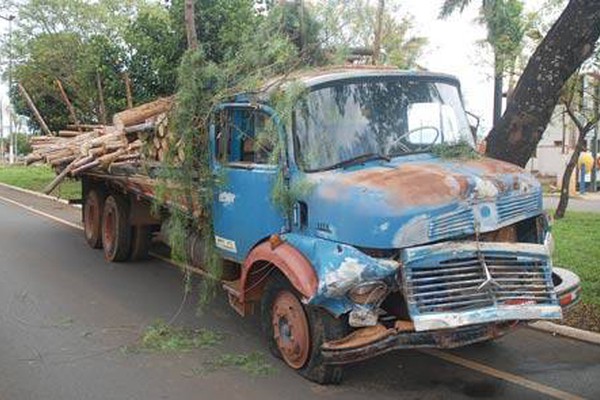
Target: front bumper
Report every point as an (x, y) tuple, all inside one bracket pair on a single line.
[(567, 286), (375, 341)]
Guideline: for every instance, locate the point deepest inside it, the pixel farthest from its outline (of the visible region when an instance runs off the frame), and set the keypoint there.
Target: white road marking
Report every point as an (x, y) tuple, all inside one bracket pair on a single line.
[(505, 376), (473, 365), (43, 214)]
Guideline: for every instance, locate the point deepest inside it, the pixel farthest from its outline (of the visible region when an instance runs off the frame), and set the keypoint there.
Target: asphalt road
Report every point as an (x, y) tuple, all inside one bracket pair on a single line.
[(66, 315)]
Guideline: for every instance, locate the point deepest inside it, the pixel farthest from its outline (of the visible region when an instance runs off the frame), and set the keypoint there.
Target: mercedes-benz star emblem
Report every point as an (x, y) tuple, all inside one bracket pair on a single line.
[(489, 280)]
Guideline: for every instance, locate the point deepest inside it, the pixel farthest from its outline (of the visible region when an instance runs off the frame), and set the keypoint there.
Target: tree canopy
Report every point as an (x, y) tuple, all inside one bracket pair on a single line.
[(93, 48)]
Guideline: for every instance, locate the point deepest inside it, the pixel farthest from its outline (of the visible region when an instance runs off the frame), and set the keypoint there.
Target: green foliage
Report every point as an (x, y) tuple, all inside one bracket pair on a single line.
[(78, 41), (461, 150), (254, 363), (506, 27), (450, 7), (577, 236), (162, 337), (22, 144), (154, 49), (351, 24), (36, 178)]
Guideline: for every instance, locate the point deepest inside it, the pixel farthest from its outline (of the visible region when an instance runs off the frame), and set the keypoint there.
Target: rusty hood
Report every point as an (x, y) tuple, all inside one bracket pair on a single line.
[(419, 199)]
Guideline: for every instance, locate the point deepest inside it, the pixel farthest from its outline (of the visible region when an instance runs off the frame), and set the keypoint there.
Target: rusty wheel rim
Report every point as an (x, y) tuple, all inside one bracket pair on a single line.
[(109, 227), (290, 329), (91, 216)]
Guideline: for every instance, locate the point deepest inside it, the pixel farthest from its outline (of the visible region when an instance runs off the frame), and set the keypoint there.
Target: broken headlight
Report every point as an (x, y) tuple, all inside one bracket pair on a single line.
[(372, 292)]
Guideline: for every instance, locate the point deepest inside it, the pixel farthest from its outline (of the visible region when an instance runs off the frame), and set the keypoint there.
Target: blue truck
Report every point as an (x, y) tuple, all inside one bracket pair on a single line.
[(393, 245)]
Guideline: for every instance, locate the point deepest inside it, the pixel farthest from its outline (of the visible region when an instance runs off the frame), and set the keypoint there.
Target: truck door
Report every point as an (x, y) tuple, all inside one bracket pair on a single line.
[(244, 213)]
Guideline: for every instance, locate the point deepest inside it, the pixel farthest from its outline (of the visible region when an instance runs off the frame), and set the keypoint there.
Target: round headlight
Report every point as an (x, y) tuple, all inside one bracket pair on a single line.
[(368, 292)]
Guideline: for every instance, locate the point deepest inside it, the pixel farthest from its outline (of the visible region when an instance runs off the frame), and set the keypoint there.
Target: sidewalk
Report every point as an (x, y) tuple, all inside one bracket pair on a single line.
[(589, 202)]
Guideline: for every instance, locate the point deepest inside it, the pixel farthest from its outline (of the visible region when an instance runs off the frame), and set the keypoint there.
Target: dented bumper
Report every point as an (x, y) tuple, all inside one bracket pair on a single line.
[(374, 342)]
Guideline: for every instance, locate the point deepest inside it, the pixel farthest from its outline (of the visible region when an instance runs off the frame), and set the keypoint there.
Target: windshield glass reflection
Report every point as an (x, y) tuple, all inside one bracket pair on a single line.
[(353, 119)]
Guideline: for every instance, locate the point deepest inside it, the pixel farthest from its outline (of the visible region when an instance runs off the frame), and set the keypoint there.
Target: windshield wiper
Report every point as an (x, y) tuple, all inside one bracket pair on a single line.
[(361, 159)]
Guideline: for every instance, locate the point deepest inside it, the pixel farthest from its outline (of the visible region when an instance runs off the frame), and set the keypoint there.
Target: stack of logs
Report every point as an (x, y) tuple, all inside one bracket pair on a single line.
[(138, 133)]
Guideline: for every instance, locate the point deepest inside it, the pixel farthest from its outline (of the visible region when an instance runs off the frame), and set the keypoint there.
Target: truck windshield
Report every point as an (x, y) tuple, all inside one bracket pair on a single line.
[(345, 120)]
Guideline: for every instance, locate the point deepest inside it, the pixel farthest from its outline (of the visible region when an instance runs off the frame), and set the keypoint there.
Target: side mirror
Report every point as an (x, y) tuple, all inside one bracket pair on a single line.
[(212, 142), (474, 122)]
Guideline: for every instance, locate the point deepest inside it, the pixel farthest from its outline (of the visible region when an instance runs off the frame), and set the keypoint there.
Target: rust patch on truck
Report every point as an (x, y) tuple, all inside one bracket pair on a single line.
[(413, 184)]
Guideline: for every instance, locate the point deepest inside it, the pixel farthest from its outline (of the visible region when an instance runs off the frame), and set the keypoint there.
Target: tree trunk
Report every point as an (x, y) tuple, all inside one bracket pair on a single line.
[(498, 70), (564, 190), (569, 42), (190, 25), (378, 28)]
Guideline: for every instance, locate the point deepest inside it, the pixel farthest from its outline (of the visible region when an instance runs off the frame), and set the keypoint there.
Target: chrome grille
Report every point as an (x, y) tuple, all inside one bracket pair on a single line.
[(452, 224), (518, 206), (453, 284)]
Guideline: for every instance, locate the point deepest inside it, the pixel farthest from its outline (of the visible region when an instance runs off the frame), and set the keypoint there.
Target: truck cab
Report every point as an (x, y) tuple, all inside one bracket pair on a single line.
[(389, 243)]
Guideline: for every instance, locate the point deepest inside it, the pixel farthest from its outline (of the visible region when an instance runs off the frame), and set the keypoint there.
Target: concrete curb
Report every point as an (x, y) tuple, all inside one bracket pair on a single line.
[(566, 331), (38, 194)]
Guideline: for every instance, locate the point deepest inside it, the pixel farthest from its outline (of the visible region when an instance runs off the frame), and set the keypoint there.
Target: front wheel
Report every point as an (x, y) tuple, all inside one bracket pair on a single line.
[(296, 333)]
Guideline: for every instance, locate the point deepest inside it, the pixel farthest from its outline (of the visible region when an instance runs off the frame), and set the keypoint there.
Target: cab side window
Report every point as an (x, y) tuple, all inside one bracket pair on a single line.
[(243, 137)]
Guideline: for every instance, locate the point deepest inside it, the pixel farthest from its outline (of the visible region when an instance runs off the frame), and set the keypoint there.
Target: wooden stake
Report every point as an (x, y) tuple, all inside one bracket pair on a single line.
[(69, 105), (128, 90), (101, 98), (33, 108)]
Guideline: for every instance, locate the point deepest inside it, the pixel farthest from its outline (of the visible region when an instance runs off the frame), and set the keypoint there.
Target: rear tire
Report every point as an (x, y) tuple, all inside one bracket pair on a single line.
[(280, 298), (116, 231), (140, 242), (92, 218)]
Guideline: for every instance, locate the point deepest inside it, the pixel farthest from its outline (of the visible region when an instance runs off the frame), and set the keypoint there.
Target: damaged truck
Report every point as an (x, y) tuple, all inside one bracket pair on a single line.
[(393, 244)]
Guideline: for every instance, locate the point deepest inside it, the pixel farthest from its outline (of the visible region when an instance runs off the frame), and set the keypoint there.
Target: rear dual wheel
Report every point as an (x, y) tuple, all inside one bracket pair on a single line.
[(93, 207), (116, 231)]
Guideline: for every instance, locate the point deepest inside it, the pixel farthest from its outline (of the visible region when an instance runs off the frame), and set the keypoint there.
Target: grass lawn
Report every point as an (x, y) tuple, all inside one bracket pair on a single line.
[(578, 249), (36, 178)]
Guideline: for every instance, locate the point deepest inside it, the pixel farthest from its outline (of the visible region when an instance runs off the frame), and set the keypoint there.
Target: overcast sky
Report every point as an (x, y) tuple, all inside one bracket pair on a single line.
[(453, 48)]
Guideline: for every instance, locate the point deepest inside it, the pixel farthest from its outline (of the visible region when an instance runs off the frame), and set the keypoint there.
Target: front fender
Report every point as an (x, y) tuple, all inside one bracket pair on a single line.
[(339, 267)]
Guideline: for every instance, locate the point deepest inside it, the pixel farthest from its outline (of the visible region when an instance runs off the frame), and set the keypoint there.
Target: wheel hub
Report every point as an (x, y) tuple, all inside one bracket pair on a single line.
[(109, 230), (290, 329)]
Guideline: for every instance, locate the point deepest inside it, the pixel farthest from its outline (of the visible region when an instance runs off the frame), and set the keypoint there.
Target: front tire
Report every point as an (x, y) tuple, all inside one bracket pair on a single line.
[(116, 231), (295, 333)]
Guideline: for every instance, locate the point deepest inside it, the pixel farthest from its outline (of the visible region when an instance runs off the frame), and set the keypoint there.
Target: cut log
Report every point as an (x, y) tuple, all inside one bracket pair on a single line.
[(140, 114), (68, 104), (85, 126), (85, 167), (59, 178), (35, 111), (69, 133)]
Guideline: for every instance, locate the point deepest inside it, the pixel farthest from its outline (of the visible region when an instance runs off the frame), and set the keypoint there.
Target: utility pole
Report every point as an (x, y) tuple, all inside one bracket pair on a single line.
[(1, 133), (11, 139)]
